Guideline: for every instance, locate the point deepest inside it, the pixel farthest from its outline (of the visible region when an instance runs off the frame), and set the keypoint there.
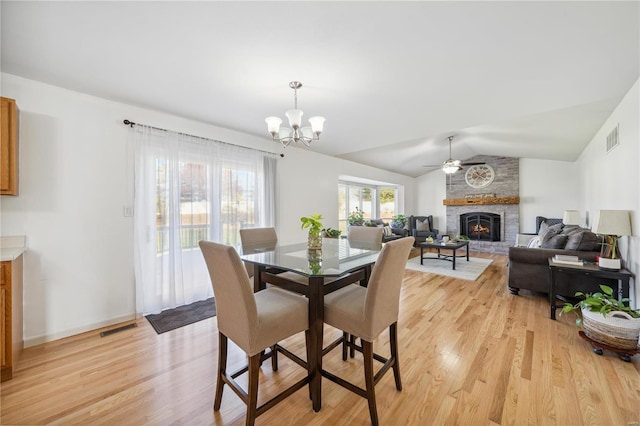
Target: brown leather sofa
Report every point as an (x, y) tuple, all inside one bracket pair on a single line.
[(529, 270)]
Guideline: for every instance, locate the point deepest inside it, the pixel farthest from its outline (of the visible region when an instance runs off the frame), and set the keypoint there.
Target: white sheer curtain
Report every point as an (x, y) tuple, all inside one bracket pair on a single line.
[(189, 189)]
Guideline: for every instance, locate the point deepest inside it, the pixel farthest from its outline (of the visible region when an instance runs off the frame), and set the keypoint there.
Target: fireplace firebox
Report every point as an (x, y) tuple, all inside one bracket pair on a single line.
[(480, 226)]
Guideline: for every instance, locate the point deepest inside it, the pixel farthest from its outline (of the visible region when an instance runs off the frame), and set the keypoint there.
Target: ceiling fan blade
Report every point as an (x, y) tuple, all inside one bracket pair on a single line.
[(472, 164)]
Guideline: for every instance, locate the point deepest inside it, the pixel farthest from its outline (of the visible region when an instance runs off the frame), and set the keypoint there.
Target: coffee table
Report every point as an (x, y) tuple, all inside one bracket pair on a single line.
[(453, 246)]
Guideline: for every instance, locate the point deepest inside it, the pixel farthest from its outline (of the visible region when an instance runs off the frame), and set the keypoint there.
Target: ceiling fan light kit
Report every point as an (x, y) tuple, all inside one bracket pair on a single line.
[(451, 166), (295, 133)]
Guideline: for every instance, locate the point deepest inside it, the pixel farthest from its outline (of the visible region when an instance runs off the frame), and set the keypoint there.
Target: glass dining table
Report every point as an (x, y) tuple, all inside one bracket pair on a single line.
[(314, 273)]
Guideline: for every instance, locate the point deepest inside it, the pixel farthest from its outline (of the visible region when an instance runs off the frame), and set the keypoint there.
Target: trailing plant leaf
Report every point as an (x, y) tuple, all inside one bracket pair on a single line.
[(604, 303)]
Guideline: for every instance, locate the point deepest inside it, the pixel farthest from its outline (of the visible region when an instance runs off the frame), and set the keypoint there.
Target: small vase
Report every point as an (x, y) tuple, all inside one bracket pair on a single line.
[(315, 242)]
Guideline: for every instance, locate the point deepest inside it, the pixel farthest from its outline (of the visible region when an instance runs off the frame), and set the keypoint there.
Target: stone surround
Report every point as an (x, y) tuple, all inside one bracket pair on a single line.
[(505, 184)]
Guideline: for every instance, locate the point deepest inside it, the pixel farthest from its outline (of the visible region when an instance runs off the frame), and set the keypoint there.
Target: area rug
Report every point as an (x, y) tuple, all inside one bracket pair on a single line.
[(470, 270), (171, 319)]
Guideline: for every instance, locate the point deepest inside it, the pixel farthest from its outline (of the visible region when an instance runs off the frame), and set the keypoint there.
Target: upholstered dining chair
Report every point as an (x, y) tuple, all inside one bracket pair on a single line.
[(257, 239), (365, 312), (254, 322), (364, 234)]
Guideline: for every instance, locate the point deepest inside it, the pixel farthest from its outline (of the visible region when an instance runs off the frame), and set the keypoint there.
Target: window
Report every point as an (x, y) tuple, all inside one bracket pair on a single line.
[(374, 201)]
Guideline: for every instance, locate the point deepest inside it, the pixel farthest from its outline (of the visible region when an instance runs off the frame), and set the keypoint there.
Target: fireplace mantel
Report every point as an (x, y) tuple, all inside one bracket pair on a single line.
[(481, 200)]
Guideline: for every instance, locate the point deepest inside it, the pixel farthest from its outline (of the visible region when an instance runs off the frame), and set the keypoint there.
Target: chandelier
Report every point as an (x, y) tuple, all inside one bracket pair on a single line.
[(295, 133)]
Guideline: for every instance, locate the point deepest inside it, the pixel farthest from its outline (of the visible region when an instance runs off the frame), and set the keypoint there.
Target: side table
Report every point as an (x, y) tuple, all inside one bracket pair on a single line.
[(589, 269)]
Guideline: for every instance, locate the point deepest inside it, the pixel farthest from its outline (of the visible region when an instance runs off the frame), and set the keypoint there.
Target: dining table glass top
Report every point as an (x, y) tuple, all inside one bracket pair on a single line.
[(337, 257)]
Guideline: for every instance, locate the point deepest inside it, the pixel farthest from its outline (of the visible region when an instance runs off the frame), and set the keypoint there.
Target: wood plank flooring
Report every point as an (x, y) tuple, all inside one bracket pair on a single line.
[(470, 353)]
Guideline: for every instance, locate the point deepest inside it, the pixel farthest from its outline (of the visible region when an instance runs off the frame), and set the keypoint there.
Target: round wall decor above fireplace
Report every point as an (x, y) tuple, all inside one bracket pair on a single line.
[(479, 176)]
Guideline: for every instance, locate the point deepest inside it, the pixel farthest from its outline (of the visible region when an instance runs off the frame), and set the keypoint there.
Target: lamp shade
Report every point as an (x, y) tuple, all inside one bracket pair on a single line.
[(571, 217), (295, 117), (612, 222), (317, 124)]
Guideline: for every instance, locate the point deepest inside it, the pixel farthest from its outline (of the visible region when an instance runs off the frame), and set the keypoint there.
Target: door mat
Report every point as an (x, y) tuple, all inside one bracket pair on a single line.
[(171, 319)]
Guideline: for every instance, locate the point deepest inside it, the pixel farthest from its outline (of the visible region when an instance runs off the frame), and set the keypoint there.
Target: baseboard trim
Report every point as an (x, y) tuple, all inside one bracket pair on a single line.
[(38, 340)]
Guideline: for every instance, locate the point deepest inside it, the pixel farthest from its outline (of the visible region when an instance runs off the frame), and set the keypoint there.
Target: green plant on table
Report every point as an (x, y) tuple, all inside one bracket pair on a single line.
[(331, 233), (603, 302), (312, 223), (398, 221)]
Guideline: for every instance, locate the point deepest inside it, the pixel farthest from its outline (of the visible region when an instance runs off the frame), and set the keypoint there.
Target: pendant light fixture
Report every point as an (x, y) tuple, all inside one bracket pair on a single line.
[(295, 133)]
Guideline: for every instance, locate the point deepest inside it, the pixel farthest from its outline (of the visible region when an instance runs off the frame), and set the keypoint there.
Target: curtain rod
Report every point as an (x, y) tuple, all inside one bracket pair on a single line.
[(131, 123)]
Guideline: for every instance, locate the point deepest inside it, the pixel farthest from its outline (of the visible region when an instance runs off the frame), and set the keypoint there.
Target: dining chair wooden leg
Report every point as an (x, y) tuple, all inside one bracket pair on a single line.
[(367, 352), (345, 337), (274, 358), (393, 342), (222, 369), (252, 392), (352, 351)]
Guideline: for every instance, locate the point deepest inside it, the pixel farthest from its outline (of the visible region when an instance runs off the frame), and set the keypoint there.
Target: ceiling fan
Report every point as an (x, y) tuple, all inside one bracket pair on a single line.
[(451, 166)]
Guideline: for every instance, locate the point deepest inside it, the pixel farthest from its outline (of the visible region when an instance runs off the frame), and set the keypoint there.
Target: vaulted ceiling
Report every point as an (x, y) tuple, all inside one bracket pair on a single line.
[(394, 79)]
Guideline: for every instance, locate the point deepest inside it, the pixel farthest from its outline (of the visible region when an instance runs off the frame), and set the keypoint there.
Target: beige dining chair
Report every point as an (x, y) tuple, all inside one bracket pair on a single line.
[(254, 322), (254, 240), (365, 312), (364, 235)]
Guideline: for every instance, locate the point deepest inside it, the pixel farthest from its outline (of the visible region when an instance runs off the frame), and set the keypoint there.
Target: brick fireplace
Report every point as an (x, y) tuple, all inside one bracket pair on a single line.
[(495, 206)]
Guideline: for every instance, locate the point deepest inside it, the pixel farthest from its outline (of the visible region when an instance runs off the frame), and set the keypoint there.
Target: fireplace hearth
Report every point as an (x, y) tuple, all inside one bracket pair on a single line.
[(481, 226)]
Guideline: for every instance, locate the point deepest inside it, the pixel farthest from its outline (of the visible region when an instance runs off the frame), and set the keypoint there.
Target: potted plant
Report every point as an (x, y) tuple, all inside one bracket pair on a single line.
[(331, 233), (607, 320), (356, 218), (398, 221), (315, 230)]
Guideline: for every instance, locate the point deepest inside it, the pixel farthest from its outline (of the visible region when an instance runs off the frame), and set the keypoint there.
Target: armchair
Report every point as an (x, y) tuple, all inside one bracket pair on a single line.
[(421, 227)]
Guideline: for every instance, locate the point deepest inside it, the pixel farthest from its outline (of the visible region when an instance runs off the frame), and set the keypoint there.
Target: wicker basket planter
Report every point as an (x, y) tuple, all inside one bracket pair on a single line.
[(618, 329)]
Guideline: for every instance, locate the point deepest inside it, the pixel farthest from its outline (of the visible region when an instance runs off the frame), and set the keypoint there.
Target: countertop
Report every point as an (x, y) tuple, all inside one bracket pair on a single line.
[(12, 247)]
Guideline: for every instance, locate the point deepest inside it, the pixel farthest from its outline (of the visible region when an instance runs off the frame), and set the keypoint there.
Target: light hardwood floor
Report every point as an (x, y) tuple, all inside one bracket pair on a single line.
[(470, 353)]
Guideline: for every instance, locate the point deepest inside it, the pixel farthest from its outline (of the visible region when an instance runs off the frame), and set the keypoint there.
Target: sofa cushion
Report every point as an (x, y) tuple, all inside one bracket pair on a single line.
[(545, 227), (386, 231), (583, 240), (422, 226), (553, 240)]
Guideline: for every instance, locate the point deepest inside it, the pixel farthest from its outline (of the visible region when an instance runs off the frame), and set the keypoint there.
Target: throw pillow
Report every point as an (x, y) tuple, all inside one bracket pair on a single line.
[(571, 229), (422, 226), (584, 241), (386, 231), (553, 240), (545, 227), (534, 242)]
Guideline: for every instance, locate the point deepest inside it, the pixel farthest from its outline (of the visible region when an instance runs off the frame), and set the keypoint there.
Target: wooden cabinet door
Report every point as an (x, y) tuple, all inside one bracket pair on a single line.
[(8, 147), (3, 328), (5, 312)]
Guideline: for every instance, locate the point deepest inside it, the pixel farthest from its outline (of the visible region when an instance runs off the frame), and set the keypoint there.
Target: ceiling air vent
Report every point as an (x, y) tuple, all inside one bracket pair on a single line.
[(612, 139)]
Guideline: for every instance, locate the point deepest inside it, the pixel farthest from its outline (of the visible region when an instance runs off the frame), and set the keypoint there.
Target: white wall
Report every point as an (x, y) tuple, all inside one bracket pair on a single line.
[(430, 191), (75, 179), (611, 181), (308, 183), (547, 188)]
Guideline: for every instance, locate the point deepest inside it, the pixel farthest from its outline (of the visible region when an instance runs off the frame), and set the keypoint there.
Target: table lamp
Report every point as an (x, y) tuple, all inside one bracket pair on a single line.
[(571, 217), (611, 224)]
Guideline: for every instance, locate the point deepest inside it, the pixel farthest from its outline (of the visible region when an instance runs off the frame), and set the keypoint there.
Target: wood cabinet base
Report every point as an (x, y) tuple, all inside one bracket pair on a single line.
[(11, 338)]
